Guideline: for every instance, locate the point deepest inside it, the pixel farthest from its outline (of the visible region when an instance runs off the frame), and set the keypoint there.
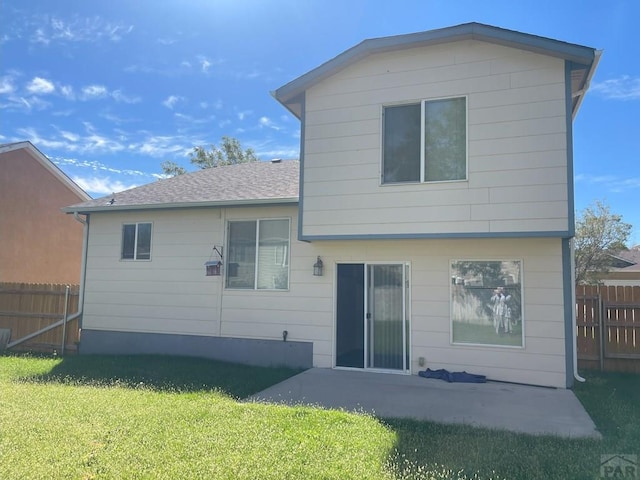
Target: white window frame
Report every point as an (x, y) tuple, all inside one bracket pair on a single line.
[(422, 103), (522, 313), (135, 243), (286, 257)]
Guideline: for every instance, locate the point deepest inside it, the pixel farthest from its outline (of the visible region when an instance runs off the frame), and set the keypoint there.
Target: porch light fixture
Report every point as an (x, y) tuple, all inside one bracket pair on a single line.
[(317, 268), (213, 268)]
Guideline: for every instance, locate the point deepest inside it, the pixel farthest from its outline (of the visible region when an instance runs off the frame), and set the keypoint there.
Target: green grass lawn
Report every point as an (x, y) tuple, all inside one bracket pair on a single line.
[(178, 418)]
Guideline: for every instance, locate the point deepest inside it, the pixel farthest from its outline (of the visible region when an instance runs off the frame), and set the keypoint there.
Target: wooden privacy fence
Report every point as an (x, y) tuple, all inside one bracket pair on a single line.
[(28, 308), (608, 320)]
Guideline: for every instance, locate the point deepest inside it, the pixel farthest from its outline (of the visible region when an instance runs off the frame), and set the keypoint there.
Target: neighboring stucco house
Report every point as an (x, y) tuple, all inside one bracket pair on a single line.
[(40, 243), (435, 185)]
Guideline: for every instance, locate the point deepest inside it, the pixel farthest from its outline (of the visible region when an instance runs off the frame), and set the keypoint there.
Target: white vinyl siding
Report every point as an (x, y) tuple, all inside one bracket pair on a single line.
[(516, 141), (170, 294), (173, 295)]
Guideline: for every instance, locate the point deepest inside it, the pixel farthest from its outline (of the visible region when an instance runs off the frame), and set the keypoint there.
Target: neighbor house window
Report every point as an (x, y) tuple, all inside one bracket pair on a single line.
[(136, 241), (425, 142), (258, 254)]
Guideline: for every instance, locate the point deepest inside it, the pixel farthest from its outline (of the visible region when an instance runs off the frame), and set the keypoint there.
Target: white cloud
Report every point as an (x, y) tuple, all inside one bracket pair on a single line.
[(67, 92), (95, 142), (611, 183), (115, 118), (266, 122), (624, 87), (118, 96), (33, 136), (49, 29), (243, 114), (163, 145), (40, 37), (205, 63), (72, 137), (217, 105), (171, 101), (91, 142), (94, 91), (6, 85), (95, 166), (101, 186), (40, 86), (62, 113)]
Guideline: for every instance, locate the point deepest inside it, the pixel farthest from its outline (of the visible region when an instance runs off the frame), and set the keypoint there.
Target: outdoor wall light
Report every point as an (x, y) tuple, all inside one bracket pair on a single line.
[(317, 268), (213, 268)]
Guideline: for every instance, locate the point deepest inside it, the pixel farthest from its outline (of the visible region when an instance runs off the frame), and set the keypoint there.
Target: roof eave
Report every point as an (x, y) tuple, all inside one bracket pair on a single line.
[(475, 31), (175, 205), (587, 82)]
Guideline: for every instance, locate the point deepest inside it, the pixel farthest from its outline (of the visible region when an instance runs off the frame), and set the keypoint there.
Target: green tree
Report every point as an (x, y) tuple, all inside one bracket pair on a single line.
[(172, 169), (599, 234), (230, 152)]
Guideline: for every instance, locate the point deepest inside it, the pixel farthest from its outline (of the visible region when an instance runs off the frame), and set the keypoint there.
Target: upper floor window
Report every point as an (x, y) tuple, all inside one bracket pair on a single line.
[(258, 254), (425, 142), (136, 241)]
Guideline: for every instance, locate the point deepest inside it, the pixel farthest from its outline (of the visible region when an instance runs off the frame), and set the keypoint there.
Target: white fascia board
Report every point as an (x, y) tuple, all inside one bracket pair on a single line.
[(171, 206)]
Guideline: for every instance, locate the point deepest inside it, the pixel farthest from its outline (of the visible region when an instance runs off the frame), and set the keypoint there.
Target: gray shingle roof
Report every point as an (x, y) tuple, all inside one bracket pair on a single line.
[(631, 256), (242, 184)]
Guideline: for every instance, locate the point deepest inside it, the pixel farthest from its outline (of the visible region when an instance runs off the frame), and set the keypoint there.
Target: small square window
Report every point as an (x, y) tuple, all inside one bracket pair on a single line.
[(136, 241)]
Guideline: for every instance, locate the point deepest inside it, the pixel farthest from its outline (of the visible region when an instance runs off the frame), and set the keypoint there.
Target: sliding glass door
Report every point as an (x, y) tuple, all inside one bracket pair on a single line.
[(372, 318)]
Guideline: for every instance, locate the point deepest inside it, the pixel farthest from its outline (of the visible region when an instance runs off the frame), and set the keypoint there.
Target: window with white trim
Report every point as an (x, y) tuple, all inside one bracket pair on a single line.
[(258, 254), (425, 142), (136, 241)]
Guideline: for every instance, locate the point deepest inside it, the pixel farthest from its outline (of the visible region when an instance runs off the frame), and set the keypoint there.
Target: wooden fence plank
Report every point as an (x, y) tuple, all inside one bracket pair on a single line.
[(619, 347), (27, 308)]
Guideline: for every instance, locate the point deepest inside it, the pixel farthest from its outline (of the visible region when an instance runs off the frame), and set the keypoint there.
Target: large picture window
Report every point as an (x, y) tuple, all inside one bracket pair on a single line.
[(425, 142), (486, 302), (258, 255), (136, 241)]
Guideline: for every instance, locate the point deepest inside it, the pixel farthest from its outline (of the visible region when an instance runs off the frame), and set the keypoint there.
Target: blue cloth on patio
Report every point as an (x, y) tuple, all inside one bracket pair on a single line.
[(443, 374)]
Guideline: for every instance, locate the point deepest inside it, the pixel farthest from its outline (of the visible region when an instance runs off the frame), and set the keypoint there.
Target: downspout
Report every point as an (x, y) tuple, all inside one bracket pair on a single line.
[(576, 375), (83, 266)]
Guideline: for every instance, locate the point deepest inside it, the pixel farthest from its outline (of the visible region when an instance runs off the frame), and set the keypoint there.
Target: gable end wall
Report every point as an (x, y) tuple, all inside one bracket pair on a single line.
[(517, 145)]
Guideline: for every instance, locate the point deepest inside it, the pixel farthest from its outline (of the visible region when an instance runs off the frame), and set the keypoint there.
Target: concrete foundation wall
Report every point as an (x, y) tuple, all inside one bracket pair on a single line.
[(238, 350)]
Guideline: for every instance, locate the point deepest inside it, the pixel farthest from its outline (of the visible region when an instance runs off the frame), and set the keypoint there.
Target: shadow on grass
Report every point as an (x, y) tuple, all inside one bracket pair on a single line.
[(438, 451), (165, 373), (465, 452)]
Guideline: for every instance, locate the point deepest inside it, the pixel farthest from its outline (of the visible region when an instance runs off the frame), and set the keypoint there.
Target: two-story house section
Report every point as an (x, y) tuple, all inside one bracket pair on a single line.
[(428, 223), (445, 158)]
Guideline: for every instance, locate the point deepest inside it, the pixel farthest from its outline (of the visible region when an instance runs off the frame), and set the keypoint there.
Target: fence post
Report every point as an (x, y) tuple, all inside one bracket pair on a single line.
[(64, 323), (601, 329)]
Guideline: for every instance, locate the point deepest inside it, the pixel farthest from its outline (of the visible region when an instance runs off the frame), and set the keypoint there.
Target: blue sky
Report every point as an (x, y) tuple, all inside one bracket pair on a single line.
[(108, 90)]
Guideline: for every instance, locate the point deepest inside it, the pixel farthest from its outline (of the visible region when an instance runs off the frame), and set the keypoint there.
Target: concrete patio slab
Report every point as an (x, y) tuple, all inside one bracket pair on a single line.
[(505, 406)]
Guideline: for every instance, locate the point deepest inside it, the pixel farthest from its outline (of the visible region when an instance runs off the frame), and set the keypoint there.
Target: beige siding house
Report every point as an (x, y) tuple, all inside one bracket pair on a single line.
[(435, 187)]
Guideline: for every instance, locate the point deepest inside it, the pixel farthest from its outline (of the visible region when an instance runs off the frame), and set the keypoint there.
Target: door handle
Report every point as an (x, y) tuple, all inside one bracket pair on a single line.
[(368, 316)]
